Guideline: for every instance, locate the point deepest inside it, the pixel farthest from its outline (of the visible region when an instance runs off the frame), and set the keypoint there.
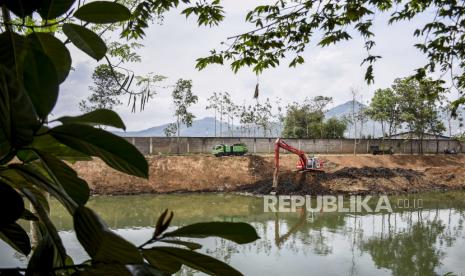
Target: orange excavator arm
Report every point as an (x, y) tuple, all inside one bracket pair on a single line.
[(279, 143), (301, 166)]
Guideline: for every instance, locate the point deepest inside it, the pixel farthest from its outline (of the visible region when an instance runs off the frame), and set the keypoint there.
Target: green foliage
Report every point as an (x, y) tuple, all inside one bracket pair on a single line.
[(284, 29), (105, 90), (97, 117), (86, 40), (384, 107), (145, 11), (183, 98), (334, 128), (256, 116), (103, 12), (175, 257), (33, 151), (171, 130), (14, 235), (234, 232), (418, 101), (306, 120), (410, 103)]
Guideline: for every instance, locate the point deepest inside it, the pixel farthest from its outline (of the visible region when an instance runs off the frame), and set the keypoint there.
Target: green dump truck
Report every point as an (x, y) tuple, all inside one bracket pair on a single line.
[(227, 150), (376, 150)]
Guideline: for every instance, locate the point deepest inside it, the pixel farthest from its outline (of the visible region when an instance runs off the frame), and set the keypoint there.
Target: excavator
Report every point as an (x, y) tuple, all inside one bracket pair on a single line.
[(304, 165)]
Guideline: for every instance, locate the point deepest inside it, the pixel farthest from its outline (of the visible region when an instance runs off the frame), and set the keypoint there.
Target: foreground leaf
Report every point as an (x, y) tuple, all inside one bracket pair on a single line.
[(35, 174), (50, 9), (190, 245), (44, 257), (161, 261), (11, 205), (16, 237), (102, 12), (21, 8), (15, 106), (41, 82), (238, 232), (113, 150), (13, 49), (100, 243), (104, 117), (192, 259), (55, 50), (46, 143), (35, 198), (74, 186), (86, 40), (121, 270), (28, 215)]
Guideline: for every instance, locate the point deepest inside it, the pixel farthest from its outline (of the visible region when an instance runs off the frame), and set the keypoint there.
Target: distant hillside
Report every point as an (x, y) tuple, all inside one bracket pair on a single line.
[(200, 128), (369, 128), (206, 127)]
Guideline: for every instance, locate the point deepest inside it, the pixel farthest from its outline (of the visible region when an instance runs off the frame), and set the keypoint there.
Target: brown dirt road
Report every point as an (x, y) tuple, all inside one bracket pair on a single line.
[(346, 174)]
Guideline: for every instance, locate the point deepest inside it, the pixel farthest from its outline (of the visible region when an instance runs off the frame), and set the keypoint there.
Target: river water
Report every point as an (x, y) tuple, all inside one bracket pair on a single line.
[(410, 241)]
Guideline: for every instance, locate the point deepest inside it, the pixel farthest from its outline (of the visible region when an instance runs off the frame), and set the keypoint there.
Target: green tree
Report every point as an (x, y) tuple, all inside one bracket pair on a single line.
[(33, 152), (183, 98), (306, 120), (283, 30), (334, 128), (263, 116), (384, 108), (418, 106), (171, 130), (105, 92), (301, 122), (247, 118), (229, 111), (108, 89)]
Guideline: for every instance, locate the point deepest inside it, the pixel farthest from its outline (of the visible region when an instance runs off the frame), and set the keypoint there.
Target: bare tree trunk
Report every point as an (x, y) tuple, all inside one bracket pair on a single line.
[(221, 121), (215, 122), (179, 133)]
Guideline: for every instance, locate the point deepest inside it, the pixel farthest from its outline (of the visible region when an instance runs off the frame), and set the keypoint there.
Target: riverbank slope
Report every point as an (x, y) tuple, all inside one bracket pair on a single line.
[(363, 174)]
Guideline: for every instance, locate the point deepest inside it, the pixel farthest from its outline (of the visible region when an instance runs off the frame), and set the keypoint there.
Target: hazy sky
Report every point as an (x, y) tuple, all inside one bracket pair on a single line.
[(171, 49)]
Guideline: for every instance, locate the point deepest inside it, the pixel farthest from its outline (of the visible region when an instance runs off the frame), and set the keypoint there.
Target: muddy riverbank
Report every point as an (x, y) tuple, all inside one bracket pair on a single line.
[(346, 174)]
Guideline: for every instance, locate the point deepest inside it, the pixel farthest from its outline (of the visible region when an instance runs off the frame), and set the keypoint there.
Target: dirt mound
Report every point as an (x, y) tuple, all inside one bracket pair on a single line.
[(365, 180), (253, 173), (372, 173)]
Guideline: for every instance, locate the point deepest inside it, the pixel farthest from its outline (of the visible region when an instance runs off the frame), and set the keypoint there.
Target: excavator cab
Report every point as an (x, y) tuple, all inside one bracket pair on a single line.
[(313, 163)]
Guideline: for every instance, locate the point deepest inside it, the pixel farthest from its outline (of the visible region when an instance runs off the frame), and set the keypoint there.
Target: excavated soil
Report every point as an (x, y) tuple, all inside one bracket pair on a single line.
[(345, 174)]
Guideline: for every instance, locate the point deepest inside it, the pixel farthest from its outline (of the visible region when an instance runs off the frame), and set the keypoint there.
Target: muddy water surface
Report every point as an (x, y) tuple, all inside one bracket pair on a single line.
[(426, 241)]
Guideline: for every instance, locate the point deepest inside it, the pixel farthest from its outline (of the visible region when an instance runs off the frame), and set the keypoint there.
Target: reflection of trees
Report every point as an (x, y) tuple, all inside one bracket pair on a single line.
[(406, 242), (410, 252)]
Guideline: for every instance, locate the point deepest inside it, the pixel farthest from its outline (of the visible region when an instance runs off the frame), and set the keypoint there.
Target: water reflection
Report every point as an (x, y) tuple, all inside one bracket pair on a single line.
[(428, 241)]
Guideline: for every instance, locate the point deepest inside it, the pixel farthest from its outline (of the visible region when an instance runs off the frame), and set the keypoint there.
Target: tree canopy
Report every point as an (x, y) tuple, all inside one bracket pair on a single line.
[(283, 30), (307, 120)]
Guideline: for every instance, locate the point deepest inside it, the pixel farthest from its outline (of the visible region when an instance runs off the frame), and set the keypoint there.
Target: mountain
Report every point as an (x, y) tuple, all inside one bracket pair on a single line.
[(206, 127), (344, 109), (369, 128), (200, 128)]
